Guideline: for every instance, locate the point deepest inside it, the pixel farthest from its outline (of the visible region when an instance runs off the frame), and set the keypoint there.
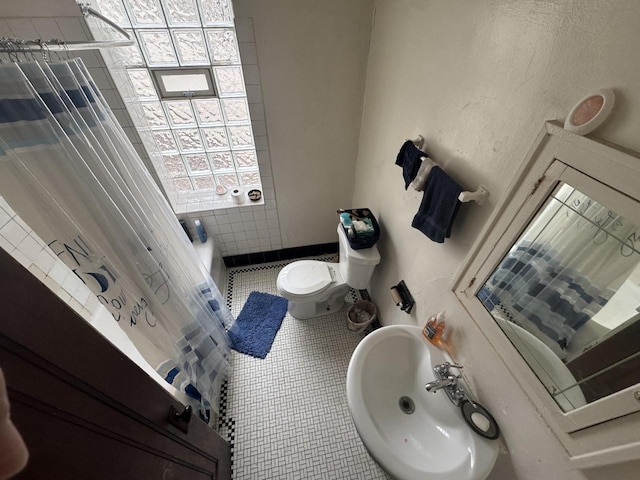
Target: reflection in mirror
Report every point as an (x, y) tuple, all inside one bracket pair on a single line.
[(567, 295)]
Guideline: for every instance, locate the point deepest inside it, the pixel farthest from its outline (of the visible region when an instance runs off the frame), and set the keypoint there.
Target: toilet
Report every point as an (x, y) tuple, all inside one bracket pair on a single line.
[(316, 288)]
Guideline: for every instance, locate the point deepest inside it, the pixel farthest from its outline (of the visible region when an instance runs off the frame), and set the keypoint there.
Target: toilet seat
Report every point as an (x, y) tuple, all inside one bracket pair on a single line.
[(305, 277)]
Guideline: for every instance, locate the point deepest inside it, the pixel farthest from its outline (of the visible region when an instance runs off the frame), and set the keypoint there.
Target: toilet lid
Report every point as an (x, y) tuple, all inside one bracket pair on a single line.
[(305, 277)]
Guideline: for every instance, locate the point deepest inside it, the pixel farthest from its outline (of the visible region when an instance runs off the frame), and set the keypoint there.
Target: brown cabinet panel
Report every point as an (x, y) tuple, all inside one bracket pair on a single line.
[(84, 409)]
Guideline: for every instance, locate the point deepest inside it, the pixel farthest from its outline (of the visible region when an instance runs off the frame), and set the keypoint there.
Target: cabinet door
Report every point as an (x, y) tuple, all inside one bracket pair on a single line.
[(84, 409)]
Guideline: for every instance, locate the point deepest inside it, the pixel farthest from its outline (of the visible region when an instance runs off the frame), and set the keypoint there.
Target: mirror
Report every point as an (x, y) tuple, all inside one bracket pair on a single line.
[(567, 295)]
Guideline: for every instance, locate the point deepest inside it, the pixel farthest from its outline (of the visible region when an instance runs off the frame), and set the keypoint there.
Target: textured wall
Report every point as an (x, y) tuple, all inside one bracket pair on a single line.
[(478, 79), (312, 57)]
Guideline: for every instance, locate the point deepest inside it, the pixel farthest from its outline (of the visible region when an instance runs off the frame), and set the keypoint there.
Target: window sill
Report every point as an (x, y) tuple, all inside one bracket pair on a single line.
[(190, 205)]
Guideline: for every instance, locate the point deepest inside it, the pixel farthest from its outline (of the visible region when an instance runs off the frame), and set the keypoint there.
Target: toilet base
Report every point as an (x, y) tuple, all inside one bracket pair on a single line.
[(306, 310)]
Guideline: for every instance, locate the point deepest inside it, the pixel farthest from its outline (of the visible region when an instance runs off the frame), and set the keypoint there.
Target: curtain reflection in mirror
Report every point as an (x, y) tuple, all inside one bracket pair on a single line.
[(569, 281)]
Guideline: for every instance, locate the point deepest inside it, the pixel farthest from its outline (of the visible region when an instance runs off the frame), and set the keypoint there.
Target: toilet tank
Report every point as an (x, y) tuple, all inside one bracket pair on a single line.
[(356, 266)]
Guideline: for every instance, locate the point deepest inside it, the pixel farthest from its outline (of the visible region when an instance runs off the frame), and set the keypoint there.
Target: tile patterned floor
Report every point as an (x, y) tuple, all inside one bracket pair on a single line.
[(286, 416)]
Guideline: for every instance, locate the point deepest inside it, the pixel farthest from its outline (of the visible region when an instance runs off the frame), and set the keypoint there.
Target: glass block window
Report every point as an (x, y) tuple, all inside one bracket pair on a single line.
[(186, 72)]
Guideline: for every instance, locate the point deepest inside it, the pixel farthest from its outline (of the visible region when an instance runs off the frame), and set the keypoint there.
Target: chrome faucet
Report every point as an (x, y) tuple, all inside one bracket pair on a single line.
[(447, 381)]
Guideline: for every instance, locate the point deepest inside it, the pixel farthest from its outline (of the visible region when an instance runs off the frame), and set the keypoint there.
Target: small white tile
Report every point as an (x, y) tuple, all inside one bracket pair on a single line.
[(6, 207), (45, 260), (92, 303), (264, 159), (243, 246), (256, 110), (101, 77), (113, 98), (226, 228), (251, 74), (47, 28), (5, 30), (254, 243), (259, 127), (90, 58), (39, 274), (22, 28), (51, 284), (21, 258), (237, 227), (77, 306), (59, 272), (246, 216), (222, 219), (30, 248), (261, 225), (244, 29), (4, 218), (254, 94), (13, 232), (72, 30), (263, 233), (271, 214), (82, 294), (23, 224), (248, 53), (265, 242), (228, 238), (261, 143), (6, 245), (273, 443), (70, 284)]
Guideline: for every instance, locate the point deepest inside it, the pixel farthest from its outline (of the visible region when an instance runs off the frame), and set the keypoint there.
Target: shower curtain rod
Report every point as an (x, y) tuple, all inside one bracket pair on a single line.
[(10, 45)]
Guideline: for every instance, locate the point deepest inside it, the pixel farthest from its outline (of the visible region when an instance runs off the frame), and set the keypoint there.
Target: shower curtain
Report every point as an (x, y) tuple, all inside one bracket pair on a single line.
[(565, 267), (93, 201)]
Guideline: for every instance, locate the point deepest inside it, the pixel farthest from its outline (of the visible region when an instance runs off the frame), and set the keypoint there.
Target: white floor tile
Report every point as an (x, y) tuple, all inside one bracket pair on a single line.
[(287, 415)]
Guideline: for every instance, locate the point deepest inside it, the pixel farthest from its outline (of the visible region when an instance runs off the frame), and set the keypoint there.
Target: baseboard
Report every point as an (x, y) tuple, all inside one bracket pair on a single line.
[(277, 255)]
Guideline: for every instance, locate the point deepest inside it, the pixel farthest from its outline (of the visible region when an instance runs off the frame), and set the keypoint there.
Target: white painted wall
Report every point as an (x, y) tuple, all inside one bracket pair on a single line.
[(312, 57), (478, 79)]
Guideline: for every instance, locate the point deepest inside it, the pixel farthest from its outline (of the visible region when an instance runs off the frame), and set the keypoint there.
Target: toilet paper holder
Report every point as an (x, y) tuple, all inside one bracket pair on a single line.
[(402, 297)]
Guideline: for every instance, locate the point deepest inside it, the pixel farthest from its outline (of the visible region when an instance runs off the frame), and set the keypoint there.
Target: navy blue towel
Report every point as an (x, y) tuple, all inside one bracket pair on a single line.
[(409, 159), (439, 206)]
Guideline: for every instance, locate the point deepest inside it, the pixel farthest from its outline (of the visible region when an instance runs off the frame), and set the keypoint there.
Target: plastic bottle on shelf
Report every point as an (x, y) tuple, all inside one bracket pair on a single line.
[(434, 328)]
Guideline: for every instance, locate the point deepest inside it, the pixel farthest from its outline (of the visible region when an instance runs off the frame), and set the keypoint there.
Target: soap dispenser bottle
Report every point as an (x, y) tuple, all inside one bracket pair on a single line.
[(434, 328)]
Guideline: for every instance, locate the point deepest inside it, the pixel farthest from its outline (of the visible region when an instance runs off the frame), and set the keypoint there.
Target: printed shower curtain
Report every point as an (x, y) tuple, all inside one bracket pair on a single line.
[(70, 172), (565, 267)]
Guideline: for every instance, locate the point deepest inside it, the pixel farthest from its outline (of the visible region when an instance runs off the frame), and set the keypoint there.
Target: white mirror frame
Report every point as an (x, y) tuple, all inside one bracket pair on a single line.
[(604, 431)]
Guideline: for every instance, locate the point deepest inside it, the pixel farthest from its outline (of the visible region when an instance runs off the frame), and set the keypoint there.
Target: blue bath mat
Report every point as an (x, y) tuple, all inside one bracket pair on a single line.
[(255, 328)]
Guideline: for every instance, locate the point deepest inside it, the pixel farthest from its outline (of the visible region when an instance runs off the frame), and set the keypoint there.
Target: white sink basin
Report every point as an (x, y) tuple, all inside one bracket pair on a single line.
[(433, 442)]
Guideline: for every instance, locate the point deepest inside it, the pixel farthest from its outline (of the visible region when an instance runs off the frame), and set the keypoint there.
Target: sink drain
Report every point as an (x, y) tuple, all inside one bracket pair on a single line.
[(406, 405)]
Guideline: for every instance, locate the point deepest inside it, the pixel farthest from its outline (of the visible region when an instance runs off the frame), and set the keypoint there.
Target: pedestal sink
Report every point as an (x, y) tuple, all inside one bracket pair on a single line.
[(412, 433)]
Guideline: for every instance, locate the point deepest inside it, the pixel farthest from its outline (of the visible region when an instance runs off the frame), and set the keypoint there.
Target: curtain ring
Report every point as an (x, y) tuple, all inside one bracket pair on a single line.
[(3, 46), (58, 42), (44, 50), (33, 55), (66, 50), (23, 49), (13, 55)]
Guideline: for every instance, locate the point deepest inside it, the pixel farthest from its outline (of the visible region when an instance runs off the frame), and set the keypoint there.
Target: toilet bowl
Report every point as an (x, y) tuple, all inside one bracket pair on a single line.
[(315, 288)]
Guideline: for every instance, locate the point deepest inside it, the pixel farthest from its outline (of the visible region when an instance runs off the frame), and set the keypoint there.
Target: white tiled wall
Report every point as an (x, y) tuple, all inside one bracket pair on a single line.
[(247, 229), (237, 230), (75, 29), (22, 243)]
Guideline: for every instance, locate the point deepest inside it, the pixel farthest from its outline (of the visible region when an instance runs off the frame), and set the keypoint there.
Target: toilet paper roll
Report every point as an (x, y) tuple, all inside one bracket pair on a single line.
[(395, 294), (237, 195)]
